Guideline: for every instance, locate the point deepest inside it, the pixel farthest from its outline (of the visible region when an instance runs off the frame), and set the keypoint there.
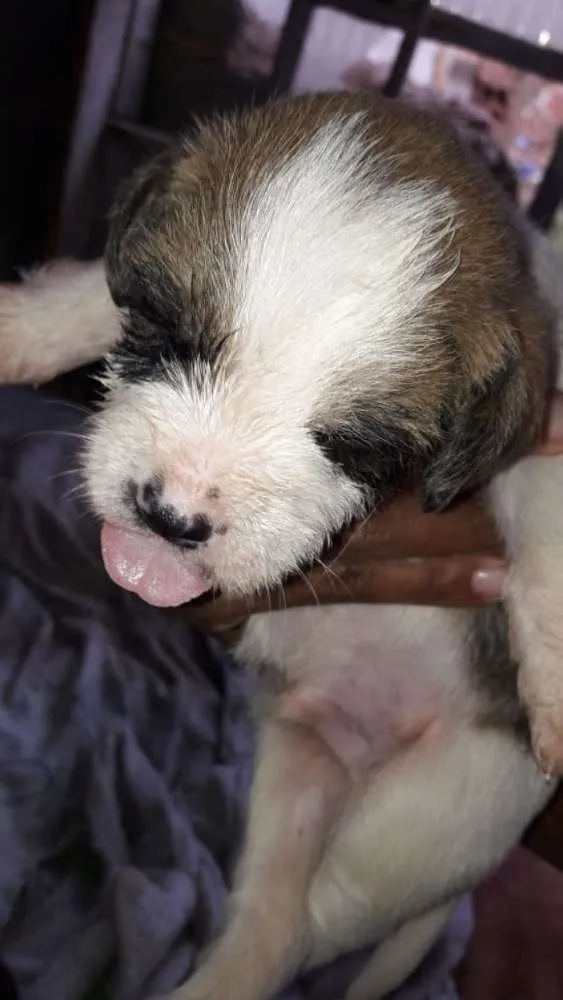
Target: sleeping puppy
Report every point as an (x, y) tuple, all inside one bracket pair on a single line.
[(324, 303)]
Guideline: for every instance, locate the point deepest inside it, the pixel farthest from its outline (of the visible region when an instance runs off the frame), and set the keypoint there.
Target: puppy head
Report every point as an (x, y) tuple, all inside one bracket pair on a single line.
[(311, 322)]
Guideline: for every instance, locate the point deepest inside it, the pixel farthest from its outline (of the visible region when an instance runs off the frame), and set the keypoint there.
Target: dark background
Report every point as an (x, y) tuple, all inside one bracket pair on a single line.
[(41, 49)]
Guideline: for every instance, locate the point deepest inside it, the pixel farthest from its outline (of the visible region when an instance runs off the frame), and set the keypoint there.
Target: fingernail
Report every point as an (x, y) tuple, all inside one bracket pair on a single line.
[(555, 424), (489, 583)]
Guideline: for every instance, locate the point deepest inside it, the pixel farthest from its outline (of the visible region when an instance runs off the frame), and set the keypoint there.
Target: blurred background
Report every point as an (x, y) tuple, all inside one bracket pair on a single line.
[(91, 87)]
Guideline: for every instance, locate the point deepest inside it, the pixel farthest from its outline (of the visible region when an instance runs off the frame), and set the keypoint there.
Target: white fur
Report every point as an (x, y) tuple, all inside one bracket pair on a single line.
[(302, 331), (454, 780), (403, 844), (60, 318)]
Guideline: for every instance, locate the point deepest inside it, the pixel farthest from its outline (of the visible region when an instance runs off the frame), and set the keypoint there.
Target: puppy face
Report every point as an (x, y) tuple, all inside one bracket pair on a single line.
[(313, 318)]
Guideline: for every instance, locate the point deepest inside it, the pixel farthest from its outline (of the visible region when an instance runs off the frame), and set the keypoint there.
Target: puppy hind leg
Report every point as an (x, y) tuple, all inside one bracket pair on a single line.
[(399, 955), (298, 792)]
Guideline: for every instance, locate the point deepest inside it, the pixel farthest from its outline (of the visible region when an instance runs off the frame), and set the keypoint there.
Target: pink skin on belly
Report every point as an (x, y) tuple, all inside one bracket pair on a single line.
[(361, 739)]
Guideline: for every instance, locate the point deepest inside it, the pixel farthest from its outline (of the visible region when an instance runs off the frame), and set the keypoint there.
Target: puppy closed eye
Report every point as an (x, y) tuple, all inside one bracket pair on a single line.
[(152, 345), (374, 450)]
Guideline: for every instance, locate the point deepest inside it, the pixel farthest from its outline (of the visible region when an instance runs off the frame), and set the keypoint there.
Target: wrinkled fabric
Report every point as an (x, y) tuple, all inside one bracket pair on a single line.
[(125, 755)]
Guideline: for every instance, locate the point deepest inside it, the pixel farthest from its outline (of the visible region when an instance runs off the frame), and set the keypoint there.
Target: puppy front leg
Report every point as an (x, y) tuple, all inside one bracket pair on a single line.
[(60, 317), (527, 502), (298, 791)]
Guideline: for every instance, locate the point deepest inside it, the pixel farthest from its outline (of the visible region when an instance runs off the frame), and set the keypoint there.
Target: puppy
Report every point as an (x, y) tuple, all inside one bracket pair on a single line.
[(324, 302)]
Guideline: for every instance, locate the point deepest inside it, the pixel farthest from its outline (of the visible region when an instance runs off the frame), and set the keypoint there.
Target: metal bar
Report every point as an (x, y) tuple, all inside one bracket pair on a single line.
[(550, 191), (451, 29), (291, 44), (401, 66)]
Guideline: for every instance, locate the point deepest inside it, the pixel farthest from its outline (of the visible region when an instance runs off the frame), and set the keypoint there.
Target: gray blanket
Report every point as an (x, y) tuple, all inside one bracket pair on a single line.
[(125, 755)]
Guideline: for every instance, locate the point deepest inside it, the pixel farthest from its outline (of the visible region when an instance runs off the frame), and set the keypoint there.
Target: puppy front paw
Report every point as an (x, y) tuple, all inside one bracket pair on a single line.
[(537, 640), (543, 698), (547, 738)]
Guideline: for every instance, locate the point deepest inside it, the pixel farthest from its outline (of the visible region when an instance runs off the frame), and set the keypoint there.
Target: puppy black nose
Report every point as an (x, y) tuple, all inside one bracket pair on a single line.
[(164, 519)]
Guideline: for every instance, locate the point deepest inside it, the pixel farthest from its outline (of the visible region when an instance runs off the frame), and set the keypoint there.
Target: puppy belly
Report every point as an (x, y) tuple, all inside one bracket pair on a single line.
[(371, 682), (362, 728)]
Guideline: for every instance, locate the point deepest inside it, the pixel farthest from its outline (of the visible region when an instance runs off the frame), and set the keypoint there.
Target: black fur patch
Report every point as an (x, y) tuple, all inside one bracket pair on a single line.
[(375, 450), (164, 323), (483, 433), (495, 673), (149, 347)]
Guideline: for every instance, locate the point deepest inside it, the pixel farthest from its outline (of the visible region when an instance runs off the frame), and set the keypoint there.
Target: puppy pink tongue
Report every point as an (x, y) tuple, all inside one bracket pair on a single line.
[(151, 567)]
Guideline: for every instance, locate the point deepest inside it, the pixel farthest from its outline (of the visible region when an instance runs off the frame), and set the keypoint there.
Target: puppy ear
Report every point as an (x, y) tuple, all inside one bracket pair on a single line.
[(144, 192), (495, 420)]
